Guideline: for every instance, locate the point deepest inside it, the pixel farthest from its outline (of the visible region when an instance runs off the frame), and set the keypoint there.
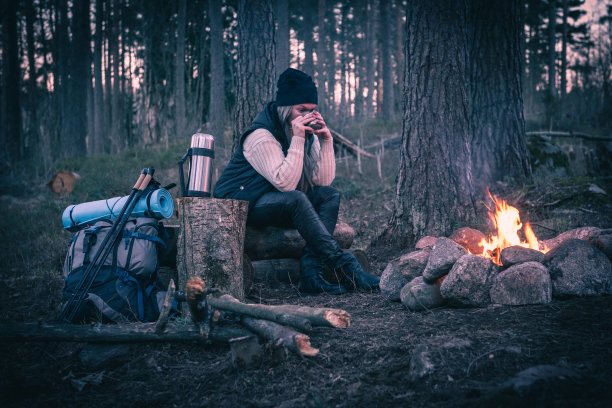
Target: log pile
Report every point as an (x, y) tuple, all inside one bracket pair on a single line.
[(275, 252), (278, 324)]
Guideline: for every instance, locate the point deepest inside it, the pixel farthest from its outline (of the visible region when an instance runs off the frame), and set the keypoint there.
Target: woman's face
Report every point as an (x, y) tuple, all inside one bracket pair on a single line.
[(301, 110)]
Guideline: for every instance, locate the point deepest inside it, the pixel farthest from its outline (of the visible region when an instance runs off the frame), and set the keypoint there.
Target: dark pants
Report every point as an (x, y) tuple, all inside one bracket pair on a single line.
[(314, 215)]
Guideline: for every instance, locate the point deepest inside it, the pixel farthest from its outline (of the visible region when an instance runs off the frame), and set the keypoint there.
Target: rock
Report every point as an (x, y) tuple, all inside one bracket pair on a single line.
[(442, 258), (579, 269), (518, 254), (526, 283), (469, 238), (584, 233), (603, 243), (400, 271), (469, 281), (425, 242), (420, 363), (106, 356), (246, 351), (418, 295)]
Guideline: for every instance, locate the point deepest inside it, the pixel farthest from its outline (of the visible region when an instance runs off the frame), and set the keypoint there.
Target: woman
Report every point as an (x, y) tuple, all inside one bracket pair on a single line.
[(283, 167)]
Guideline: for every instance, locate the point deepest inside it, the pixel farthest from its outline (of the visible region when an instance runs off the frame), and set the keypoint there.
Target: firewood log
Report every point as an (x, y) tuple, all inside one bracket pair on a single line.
[(281, 335), (285, 314), (114, 333), (273, 242)]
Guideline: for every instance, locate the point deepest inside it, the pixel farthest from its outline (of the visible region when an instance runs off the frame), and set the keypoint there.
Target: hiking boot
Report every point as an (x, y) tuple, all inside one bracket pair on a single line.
[(353, 275), (311, 276)]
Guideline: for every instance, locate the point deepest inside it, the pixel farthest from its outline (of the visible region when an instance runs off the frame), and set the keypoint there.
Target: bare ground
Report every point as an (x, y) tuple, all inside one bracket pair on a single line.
[(388, 357)]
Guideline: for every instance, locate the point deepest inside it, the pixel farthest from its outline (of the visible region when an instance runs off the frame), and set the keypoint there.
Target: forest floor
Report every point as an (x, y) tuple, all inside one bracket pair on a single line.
[(470, 353)]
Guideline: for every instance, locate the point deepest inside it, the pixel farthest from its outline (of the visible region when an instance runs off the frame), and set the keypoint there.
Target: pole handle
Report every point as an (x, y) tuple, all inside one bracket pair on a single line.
[(143, 173), (147, 178)]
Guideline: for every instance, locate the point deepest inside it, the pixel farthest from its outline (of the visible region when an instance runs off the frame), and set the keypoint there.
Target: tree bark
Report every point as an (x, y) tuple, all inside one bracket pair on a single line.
[(499, 148), (179, 72), (114, 333), (321, 72), (273, 242), (434, 191), (256, 62), (552, 40), (216, 106), (211, 242), (565, 40), (388, 101), (370, 60), (33, 145), (80, 80), (282, 36), (306, 34)]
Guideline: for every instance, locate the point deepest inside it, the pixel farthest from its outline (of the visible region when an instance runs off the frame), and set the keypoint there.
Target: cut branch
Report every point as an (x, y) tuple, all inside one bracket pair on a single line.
[(281, 335), (113, 333), (284, 314), (348, 145)]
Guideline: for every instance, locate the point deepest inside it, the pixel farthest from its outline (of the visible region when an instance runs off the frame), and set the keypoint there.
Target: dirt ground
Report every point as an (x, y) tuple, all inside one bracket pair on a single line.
[(388, 357)]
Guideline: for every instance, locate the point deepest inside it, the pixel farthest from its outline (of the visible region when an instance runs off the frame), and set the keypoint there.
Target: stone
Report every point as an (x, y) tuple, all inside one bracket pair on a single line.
[(577, 268), (400, 271), (584, 233), (468, 283), (425, 242), (518, 254), (443, 256), (603, 243), (104, 356), (526, 283), (470, 239), (418, 295)]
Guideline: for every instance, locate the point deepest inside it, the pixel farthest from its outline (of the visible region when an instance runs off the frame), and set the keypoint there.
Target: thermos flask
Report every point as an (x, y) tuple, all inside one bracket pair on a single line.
[(201, 154)]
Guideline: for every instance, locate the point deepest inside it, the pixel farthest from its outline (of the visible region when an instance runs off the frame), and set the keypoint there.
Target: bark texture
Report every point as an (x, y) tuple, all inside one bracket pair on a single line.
[(282, 36), (434, 185), (499, 147), (216, 107), (179, 71), (256, 62), (211, 242)]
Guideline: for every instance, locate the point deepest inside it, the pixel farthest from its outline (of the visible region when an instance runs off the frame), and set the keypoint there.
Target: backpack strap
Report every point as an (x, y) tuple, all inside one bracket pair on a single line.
[(91, 236), (139, 235)]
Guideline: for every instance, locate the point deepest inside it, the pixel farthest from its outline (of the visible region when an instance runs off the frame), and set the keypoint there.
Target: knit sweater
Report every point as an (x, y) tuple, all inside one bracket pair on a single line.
[(265, 154)]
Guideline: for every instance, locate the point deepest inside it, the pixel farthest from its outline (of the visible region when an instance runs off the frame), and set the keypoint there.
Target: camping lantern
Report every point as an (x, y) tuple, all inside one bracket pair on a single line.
[(201, 154)]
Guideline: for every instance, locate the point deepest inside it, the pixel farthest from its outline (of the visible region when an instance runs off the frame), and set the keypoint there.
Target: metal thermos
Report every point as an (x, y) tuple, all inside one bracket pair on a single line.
[(201, 154)]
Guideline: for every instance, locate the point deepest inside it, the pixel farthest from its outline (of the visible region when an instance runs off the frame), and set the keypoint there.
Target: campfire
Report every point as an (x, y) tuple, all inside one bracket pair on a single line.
[(510, 266), (507, 222)]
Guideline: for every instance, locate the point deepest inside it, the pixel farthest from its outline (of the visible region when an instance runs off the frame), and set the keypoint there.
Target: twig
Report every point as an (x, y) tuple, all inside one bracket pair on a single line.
[(545, 227), (467, 373)]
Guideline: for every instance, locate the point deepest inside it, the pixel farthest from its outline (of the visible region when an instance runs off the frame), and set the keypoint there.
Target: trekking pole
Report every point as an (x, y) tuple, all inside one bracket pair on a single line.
[(74, 303)]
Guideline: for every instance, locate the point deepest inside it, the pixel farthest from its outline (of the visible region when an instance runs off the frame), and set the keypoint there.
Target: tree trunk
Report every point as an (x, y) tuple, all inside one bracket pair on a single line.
[(434, 184), (498, 145), (216, 107), (32, 143), (99, 133), (273, 242), (256, 62), (80, 80), (388, 101), (12, 138), (564, 58), (211, 242), (321, 71), (63, 67), (552, 40), (282, 36), (113, 52), (306, 34), (370, 60), (179, 73)]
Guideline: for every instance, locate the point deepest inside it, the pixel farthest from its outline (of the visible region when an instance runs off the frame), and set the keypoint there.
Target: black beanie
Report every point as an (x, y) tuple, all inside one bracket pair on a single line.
[(295, 87)]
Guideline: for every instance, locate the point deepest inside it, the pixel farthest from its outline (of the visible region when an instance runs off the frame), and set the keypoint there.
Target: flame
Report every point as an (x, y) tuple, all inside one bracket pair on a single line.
[(507, 221)]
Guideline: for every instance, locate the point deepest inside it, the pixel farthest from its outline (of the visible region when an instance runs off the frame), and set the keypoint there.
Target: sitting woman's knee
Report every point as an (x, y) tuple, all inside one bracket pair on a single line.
[(296, 198)]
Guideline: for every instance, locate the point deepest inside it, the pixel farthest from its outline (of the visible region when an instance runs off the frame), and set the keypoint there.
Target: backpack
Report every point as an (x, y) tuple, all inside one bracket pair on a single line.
[(127, 286)]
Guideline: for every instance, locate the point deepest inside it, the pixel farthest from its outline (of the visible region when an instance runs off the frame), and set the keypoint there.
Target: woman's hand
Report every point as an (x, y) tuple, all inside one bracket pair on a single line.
[(298, 125), (323, 133)]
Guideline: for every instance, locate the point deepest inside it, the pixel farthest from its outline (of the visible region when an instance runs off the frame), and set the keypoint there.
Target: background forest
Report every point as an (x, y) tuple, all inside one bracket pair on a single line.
[(82, 78)]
